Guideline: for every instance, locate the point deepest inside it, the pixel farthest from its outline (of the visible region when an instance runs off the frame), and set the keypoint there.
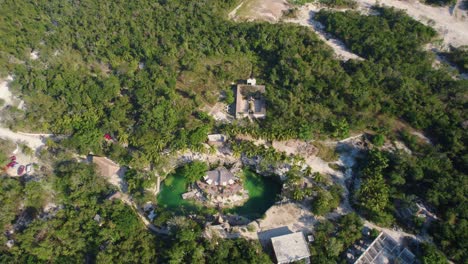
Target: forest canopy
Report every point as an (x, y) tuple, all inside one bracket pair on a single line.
[(142, 71)]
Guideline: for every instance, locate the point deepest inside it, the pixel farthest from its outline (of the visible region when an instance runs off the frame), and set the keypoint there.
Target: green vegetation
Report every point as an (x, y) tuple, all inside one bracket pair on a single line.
[(390, 179), (379, 37), (194, 170), (6, 147), (373, 194), (378, 140), (326, 201), (459, 56), (70, 233), (431, 255), (325, 152), (10, 198), (332, 240), (294, 185), (188, 246), (340, 3), (88, 82), (440, 2), (391, 42)]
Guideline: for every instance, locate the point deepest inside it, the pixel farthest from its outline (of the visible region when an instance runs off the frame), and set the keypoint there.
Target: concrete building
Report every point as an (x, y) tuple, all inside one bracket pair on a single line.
[(216, 139), (290, 248), (250, 101)]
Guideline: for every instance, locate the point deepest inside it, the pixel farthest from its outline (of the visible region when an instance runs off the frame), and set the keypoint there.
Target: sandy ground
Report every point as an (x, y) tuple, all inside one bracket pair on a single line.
[(219, 112), (305, 17), (441, 60), (289, 217), (5, 93), (267, 10), (451, 24), (34, 141), (422, 137), (34, 55), (297, 147), (398, 235), (220, 155), (118, 180)]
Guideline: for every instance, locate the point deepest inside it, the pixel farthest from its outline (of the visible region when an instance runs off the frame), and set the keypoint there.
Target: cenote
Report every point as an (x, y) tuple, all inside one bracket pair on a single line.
[(262, 195)]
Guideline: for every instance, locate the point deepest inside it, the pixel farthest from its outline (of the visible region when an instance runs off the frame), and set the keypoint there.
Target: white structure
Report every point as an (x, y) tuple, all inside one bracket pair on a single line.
[(290, 248), (384, 249), (216, 139), (251, 81)]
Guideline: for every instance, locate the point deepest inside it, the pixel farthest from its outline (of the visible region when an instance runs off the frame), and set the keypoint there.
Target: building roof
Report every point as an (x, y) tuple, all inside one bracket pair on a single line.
[(216, 138), (248, 101), (290, 248), (219, 176), (105, 166)]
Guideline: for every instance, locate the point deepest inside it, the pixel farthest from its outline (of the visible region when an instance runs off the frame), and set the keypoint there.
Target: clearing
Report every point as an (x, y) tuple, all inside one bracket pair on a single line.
[(267, 10), (450, 22)]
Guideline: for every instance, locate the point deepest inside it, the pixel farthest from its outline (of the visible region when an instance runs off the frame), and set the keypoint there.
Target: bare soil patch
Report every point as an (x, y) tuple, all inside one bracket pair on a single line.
[(265, 10)]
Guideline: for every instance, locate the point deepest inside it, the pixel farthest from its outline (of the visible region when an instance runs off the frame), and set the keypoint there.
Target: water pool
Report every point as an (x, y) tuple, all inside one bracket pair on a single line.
[(262, 195), (170, 196)]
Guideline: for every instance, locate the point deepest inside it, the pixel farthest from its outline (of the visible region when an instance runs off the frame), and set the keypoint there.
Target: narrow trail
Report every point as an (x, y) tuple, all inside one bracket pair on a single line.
[(305, 18), (233, 13), (450, 25), (154, 229)]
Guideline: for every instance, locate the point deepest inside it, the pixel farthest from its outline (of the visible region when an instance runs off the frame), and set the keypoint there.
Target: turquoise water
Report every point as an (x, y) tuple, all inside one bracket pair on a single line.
[(170, 196), (262, 195)]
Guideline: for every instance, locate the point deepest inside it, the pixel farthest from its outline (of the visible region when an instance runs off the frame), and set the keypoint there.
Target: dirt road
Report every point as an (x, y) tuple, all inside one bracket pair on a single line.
[(305, 17), (450, 23)]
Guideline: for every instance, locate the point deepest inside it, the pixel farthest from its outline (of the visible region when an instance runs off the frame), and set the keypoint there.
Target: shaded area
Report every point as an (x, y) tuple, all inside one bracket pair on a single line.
[(262, 195)]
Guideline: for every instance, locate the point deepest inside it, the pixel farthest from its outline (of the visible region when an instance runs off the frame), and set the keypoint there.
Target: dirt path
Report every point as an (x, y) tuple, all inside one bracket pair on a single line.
[(5, 93), (451, 24), (156, 230), (34, 141), (305, 17), (233, 13)]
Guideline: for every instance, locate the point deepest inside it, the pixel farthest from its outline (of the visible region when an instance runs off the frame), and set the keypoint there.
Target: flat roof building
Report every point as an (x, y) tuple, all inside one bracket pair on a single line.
[(250, 101), (216, 139), (290, 248)]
